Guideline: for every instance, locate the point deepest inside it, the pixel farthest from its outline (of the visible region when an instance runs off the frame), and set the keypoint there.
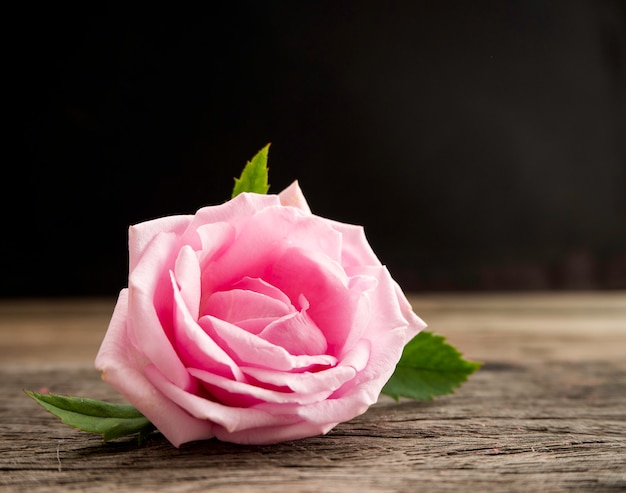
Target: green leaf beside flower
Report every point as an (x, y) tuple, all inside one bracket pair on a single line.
[(94, 416), (254, 175), (429, 367)]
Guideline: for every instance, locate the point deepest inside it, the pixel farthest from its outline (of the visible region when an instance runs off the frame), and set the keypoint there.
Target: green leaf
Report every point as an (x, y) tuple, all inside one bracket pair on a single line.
[(429, 366), (254, 176), (104, 418)]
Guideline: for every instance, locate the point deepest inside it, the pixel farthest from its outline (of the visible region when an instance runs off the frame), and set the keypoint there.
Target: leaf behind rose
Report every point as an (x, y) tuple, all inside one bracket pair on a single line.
[(254, 175), (428, 367), (94, 416)]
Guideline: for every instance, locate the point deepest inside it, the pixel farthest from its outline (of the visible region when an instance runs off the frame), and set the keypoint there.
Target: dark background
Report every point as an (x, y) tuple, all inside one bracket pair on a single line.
[(481, 144)]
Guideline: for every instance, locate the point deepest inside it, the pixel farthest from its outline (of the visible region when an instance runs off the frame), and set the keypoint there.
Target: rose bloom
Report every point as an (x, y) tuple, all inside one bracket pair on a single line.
[(253, 321)]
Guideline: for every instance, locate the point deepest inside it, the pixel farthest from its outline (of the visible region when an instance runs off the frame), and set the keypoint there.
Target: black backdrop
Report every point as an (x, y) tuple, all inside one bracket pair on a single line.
[(482, 144)]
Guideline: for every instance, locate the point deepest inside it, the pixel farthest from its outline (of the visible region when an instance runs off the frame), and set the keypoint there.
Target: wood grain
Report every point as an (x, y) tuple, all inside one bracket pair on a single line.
[(547, 412)]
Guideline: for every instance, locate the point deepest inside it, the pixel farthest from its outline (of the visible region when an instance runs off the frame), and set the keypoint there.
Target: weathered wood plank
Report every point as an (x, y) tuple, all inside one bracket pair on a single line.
[(530, 327), (551, 427), (546, 413)]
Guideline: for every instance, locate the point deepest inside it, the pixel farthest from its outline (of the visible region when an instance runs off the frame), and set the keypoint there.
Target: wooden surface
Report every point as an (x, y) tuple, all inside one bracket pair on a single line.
[(547, 412)]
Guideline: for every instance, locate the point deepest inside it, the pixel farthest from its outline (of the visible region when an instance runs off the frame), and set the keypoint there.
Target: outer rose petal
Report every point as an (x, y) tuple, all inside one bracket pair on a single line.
[(416, 324), (187, 273), (356, 249), (236, 212), (230, 418), (150, 303), (122, 366), (274, 434), (140, 235), (293, 196)]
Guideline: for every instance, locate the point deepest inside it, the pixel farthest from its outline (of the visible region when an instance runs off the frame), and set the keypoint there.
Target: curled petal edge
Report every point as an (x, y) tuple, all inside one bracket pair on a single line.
[(122, 368)]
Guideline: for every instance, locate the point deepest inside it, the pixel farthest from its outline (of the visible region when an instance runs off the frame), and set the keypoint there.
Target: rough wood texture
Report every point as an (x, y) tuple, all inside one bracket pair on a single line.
[(547, 412)]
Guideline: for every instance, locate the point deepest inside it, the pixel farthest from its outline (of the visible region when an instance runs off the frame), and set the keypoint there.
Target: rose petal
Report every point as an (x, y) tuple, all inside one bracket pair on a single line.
[(292, 196), (384, 353), (305, 382), (187, 274), (195, 347), (359, 356), (363, 287), (215, 239), (351, 405), (261, 242), (122, 367), (140, 235), (297, 333), (255, 325), (356, 249), (388, 306), (250, 350), (236, 212), (242, 394), (239, 304), (416, 324), (274, 434), (260, 286), (228, 417), (377, 362), (149, 287), (324, 284)]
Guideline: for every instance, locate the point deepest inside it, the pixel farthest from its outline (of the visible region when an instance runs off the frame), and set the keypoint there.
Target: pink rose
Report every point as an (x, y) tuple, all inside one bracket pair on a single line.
[(253, 321)]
